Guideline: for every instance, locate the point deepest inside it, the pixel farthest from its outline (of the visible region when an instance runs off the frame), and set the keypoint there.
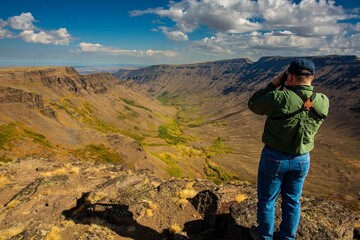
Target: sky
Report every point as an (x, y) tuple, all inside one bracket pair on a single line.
[(148, 32)]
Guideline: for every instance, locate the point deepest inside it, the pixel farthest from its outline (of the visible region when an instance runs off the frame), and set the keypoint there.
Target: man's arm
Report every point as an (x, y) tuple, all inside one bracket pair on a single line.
[(261, 102)]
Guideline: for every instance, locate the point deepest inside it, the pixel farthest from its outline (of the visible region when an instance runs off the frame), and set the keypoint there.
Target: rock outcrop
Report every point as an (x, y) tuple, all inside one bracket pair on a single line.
[(29, 99), (41, 198), (62, 78)]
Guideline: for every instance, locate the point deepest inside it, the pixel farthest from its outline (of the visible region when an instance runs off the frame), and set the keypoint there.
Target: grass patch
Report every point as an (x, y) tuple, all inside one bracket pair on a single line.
[(168, 100), (54, 234), (36, 137), (190, 152), (12, 132), (8, 233), (172, 168), (5, 159), (98, 153), (132, 103), (8, 134), (171, 133), (4, 181), (127, 113), (217, 173), (185, 117), (87, 114), (218, 147)]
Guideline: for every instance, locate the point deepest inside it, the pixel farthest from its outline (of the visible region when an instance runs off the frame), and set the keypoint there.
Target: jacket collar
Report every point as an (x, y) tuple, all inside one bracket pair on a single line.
[(304, 87)]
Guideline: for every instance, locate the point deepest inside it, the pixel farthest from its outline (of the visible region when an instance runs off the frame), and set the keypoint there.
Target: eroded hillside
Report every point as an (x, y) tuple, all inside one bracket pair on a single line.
[(57, 113)]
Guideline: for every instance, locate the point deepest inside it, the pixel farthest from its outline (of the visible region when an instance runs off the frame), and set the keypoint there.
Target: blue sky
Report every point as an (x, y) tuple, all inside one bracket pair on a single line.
[(146, 32)]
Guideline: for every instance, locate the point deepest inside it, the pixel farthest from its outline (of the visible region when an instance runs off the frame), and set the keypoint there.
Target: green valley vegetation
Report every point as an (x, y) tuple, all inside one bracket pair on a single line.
[(172, 134), (167, 99), (11, 132), (132, 103), (8, 134), (98, 153), (217, 173), (217, 147), (14, 133), (172, 168), (86, 114), (36, 137)]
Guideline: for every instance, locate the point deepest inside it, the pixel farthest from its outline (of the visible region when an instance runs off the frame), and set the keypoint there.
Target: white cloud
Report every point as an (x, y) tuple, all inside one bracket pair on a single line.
[(4, 33), (22, 26), (57, 37), (98, 48), (2, 23), (262, 27), (22, 22), (223, 16), (257, 44), (174, 35), (308, 18), (357, 27)]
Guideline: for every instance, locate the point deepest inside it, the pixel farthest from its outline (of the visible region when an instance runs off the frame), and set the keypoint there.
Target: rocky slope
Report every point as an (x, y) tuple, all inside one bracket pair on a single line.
[(45, 199), (55, 111)]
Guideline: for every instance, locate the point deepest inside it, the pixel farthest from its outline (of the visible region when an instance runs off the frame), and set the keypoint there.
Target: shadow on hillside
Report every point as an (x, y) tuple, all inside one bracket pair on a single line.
[(116, 217), (119, 219), (223, 228)]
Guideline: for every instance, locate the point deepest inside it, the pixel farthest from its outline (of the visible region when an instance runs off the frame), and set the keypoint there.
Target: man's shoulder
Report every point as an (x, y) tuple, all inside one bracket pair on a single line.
[(322, 97), (322, 103)]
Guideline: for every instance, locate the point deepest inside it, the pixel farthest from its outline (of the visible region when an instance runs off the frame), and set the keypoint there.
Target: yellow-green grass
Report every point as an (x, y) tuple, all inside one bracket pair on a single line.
[(217, 147), (172, 168), (98, 153), (217, 173), (13, 132), (134, 104), (171, 133)]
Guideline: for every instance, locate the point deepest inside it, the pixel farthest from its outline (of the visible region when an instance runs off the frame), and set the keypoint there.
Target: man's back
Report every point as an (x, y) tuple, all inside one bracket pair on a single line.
[(295, 134)]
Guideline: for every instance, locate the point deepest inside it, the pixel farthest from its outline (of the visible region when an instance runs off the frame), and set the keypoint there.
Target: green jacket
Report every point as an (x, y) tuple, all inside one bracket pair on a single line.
[(294, 135)]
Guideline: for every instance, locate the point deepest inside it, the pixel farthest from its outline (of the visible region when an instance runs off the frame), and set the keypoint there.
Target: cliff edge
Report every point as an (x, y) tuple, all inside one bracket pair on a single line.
[(45, 199)]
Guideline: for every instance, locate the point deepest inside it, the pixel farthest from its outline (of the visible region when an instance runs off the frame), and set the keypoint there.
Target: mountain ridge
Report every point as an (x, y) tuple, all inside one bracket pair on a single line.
[(334, 72)]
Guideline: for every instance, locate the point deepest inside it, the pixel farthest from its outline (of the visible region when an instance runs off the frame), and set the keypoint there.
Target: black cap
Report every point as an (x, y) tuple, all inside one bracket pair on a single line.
[(298, 65)]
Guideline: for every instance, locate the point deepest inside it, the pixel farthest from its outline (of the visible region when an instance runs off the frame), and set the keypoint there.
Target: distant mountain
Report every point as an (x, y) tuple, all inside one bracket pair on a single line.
[(336, 76)]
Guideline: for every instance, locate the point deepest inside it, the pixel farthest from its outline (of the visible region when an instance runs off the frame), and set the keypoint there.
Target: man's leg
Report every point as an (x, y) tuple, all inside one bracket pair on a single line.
[(269, 185), (291, 192)]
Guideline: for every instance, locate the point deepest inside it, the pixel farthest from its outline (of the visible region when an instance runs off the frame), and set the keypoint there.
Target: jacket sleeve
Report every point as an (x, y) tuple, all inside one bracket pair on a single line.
[(262, 101)]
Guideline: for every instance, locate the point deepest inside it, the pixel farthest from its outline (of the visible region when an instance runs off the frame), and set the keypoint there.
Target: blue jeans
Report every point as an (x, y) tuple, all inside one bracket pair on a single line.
[(280, 173)]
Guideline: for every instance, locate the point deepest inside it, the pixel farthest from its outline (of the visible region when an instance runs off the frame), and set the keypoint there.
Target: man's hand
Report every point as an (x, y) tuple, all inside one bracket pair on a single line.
[(276, 81)]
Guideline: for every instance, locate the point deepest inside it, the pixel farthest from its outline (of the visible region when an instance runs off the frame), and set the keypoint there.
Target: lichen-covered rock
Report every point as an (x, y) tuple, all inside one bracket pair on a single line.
[(320, 219), (87, 200)]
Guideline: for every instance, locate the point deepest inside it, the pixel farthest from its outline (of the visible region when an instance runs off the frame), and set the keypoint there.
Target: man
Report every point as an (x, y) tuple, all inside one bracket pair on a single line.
[(293, 118)]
